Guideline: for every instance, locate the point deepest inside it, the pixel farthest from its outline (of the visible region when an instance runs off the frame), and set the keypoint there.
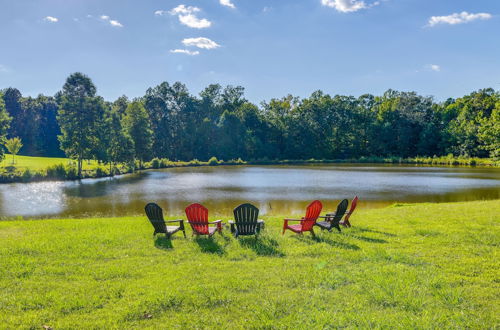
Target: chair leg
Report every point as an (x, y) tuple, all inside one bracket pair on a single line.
[(184, 232), (312, 233)]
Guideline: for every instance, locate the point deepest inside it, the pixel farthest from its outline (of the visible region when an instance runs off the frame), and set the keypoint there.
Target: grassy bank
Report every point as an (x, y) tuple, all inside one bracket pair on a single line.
[(28, 169), (407, 266)]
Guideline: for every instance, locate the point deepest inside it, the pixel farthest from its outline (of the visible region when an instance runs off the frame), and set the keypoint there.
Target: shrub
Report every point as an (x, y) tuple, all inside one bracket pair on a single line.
[(56, 172), (27, 175), (213, 161), (155, 163)]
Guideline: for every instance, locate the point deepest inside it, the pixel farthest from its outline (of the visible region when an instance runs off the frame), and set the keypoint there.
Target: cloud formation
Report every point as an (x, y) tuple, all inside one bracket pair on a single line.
[(227, 3), (51, 19), (348, 6), (434, 67), (458, 18), (112, 22), (200, 42), (187, 16), (185, 51)]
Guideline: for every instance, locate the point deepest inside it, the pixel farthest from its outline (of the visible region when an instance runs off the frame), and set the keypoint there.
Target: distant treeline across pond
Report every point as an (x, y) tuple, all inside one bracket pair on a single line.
[(171, 123)]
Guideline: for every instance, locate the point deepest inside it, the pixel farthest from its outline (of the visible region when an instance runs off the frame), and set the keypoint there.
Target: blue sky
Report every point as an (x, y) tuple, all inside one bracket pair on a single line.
[(271, 47)]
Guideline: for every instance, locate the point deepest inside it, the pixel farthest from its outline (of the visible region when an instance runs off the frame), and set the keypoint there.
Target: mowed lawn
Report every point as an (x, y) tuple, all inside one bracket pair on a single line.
[(40, 163), (406, 266)]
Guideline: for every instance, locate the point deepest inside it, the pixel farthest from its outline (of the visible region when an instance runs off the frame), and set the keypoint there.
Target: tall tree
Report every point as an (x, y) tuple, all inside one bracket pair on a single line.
[(5, 120), (121, 146), (137, 125), (79, 117)]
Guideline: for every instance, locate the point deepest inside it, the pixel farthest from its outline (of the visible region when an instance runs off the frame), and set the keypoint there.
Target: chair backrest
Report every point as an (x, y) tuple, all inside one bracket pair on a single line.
[(197, 215), (353, 207), (246, 216), (155, 216), (341, 208), (312, 213)]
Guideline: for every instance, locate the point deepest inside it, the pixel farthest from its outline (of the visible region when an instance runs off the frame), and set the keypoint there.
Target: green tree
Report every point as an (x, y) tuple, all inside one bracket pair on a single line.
[(80, 116), (5, 120), (121, 146), (137, 125), (13, 146)]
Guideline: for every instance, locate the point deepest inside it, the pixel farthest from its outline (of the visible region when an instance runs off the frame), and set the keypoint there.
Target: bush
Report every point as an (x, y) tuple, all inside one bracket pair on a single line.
[(100, 172), (57, 172), (155, 163), (213, 161), (27, 175)]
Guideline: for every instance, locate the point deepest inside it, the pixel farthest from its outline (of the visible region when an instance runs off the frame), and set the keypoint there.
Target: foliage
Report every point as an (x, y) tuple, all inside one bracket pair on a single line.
[(169, 122), (137, 125), (408, 266), (80, 116), (5, 120), (13, 146)]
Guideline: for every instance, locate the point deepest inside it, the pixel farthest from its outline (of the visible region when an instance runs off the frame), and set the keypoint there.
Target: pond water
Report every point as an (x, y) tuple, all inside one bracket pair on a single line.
[(274, 189)]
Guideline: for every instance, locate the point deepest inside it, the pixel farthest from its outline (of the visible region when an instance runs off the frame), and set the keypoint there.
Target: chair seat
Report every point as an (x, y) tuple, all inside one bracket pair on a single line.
[(295, 228), (173, 229), (324, 224)]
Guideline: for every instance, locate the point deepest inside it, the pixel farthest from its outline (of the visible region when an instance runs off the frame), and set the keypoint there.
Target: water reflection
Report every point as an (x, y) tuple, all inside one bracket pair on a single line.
[(274, 189)]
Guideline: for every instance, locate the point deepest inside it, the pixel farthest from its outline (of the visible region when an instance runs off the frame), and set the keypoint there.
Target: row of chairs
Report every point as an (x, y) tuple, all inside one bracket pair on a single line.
[(246, 220)]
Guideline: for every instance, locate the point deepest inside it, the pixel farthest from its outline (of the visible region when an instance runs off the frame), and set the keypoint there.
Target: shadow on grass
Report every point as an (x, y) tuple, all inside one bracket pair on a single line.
[(322, 239), (209, 245), (367, 239), (372, 231), (263, 246), (163, 243)]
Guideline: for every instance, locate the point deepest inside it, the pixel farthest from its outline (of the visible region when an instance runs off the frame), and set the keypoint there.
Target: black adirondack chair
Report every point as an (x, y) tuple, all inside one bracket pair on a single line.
[(246, 221), (332, 220), (155, 216)]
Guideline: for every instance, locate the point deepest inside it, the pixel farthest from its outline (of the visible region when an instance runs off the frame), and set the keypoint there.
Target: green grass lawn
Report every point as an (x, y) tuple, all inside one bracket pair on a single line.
[(40, 163), (406, 266)]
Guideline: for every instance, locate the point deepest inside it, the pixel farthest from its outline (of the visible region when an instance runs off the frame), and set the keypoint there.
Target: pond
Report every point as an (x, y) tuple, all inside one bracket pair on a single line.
[(274, 189)]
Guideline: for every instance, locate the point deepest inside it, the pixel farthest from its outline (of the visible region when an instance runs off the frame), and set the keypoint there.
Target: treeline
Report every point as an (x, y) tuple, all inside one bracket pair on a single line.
[(169, 122)]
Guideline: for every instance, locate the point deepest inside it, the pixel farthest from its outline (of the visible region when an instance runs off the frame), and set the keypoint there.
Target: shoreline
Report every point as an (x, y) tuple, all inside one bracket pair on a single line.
[(62, 172)]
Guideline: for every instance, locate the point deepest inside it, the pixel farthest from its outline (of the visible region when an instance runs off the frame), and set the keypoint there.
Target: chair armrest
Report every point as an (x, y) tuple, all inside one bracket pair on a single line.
[(294, 219), (231, 222), (216, 221), (170, 221)]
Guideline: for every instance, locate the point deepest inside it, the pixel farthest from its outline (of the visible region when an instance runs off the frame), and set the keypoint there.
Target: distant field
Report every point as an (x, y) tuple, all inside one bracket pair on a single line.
[(38, 163), (406, 266)]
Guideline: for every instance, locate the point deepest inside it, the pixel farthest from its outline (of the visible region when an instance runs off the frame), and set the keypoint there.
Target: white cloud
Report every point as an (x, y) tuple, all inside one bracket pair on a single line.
[(51, 19), (458, 18), (181, 9), (112, 22), (348, 6), (187, 16), (115, 23), (185, 51), (160, 12), (200, 42), (266, 9), (433, 67), (227, 3), (194, 22)]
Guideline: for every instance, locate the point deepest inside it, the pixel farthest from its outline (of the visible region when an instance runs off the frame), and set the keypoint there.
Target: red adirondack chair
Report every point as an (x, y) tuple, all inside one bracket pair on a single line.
[(197, 216), (346, 222), (306, 223)]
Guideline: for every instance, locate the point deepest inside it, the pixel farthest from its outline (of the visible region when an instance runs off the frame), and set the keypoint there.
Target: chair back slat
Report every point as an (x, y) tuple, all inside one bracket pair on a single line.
[(353, 207), (246, 216), (197, 216), (341, 208), (155, 216), (312, 213)]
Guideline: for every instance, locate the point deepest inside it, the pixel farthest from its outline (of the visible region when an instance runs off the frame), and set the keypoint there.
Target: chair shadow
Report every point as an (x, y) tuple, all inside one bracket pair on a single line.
[(329, 241), (262, 246), (209, 245), (322, 239), (163, 243), (367, 239), (373, 231)]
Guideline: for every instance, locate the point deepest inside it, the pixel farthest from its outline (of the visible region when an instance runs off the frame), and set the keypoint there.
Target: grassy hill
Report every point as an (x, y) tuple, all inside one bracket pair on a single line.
[(406, 266), (39, 163)]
